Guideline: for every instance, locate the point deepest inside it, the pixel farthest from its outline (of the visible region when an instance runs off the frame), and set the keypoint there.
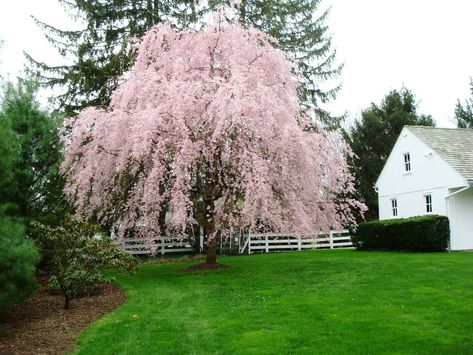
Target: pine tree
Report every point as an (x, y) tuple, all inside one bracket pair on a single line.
[(31, 155), (101, 55), (464, 113), (373, 137)]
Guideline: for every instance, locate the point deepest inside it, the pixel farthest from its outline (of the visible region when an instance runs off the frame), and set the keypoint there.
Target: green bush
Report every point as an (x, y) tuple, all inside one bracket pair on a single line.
[(422, 233), (18, 258), (78, 257)]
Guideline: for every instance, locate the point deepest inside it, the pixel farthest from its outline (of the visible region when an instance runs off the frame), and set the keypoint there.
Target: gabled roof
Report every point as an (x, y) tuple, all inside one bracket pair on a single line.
[(453, 145)]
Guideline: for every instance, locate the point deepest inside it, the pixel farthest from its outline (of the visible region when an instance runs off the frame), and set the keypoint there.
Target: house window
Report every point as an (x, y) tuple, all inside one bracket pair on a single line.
[(394, 206), (428, 203), (407, 162)]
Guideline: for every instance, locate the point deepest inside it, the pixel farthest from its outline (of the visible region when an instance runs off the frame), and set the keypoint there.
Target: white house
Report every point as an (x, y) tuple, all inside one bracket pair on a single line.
[(430, 171)]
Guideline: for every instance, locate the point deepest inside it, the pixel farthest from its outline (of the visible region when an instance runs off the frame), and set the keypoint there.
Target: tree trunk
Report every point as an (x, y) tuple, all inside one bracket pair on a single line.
[(66, 302), (211, 257), (209, 229)]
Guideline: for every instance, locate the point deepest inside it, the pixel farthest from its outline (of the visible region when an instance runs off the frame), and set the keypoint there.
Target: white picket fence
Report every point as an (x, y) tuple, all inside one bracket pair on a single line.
[(161, 245), (268, 242), (244, 244)]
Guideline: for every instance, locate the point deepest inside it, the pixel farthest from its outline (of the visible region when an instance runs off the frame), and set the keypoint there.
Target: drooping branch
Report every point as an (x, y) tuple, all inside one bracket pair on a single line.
[(203, 128)]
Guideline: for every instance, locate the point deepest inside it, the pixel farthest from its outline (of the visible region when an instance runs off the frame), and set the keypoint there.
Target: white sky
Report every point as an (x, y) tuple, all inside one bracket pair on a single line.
[(424, 45)]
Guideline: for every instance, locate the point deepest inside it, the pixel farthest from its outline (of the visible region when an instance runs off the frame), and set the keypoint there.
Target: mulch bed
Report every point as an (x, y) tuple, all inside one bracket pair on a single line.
[(42, 326), (201, 267)]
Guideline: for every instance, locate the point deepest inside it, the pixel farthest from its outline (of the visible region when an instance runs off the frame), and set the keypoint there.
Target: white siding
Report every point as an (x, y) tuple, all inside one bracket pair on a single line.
[(460, 210), (429, 174), (413, 203)]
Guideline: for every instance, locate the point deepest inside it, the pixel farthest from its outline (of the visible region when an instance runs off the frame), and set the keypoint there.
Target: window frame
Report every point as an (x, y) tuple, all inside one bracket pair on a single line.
[(406, 158), (394, 207), (428, 203)]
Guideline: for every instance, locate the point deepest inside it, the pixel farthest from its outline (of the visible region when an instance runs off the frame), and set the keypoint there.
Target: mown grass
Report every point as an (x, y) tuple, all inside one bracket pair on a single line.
[(334, 302)]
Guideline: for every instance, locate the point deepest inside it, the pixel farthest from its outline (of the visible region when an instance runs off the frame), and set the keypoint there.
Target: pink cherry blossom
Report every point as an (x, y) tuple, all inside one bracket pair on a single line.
[(213, 116)]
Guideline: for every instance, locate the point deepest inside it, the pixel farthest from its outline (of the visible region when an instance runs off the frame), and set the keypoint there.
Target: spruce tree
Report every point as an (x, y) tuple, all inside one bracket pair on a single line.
[(101, 48)]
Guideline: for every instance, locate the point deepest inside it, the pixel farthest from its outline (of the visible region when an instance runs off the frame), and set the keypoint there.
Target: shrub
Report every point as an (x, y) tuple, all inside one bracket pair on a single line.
[(18, 258), (78, 257), (422, 233)]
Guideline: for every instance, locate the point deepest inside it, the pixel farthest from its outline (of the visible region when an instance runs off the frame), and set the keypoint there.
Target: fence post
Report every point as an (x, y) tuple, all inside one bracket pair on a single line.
[(249, 242), (163, 246), (331, 239), (299, 242), (201, 239), (267, 244), (240, 238)]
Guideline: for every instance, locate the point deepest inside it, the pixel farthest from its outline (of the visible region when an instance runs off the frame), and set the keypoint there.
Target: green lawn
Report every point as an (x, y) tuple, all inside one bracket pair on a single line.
[(300, 303)]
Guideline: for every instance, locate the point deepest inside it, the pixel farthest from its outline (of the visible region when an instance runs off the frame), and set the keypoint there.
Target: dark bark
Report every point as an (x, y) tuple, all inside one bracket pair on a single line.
[(211, 257), (67, 300), (209, 229)]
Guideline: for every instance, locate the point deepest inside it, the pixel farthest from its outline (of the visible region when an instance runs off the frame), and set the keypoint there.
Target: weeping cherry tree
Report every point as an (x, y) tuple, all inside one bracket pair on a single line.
[(210, 117)]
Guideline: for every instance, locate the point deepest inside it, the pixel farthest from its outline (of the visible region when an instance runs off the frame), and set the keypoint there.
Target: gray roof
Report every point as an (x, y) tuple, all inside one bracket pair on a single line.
[(454, 145)]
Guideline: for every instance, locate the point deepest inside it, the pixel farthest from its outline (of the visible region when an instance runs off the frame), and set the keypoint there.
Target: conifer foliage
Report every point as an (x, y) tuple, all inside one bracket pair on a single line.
[(34, 188), (100, 49), (211, 116), (464, 112)]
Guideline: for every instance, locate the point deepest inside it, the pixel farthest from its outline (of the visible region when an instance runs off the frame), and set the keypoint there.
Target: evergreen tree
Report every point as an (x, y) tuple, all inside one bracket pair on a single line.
[(33, 184), (100, 50), (9, 157), (372, 139), (101, 55), (18, 255), (464, 114)]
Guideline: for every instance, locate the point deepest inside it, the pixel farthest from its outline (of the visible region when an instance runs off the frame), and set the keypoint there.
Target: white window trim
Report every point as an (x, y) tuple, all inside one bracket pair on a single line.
[(394, 207), (424, 198), (405, 163)]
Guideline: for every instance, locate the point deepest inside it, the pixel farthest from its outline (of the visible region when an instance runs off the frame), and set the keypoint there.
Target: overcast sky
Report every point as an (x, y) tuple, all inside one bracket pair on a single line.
[(427, 46)]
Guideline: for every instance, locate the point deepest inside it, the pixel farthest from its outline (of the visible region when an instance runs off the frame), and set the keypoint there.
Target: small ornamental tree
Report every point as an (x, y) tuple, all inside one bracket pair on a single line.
[(208, 117), (77, 256)]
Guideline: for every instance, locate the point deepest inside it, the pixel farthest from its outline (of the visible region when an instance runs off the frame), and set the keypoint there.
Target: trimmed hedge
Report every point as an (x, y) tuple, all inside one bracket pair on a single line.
[(422, 233)]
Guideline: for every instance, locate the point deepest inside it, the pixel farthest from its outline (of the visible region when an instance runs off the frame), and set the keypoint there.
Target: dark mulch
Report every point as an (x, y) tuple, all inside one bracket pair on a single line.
[(42, 326), (200, 267)]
